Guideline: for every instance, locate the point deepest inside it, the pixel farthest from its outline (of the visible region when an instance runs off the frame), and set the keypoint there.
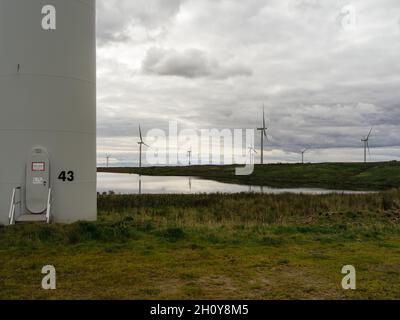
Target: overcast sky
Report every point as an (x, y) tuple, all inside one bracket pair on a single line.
[(327, 72)]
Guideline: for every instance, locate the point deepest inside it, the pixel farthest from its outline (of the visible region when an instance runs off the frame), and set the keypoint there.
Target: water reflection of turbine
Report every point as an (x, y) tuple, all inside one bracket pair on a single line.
[(140, 185), (190, 184)]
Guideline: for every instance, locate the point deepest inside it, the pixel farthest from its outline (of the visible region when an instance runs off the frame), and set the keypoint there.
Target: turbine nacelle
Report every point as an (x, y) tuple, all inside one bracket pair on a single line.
[(141, 142), (367, 137)]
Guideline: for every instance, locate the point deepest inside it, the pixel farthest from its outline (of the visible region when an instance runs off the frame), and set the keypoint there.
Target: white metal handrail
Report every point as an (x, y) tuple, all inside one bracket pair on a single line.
[(11, 215), (48, 211)]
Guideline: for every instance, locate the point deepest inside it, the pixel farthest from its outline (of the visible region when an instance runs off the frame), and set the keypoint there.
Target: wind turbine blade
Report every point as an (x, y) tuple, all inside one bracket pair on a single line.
[(264, 117), (140, 133), (264, 122), (369, 134)]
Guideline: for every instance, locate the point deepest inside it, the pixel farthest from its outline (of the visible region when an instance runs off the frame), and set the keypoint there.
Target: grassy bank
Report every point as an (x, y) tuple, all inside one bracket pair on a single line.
[(212, 247), (342, 176)]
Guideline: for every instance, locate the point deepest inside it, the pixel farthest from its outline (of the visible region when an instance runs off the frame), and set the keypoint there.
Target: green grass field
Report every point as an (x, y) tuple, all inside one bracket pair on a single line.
[(242, 246), (343, 176)]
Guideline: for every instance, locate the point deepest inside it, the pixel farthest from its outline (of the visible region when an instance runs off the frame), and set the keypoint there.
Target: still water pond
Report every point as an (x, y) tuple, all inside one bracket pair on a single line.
[(133, 184)]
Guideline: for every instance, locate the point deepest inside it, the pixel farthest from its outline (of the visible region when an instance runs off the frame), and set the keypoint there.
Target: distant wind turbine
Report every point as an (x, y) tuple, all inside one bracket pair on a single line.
[(263, 135), (141, 143), (190, 156), (366, 145), (252, 151), (108, 160), (302, 155)]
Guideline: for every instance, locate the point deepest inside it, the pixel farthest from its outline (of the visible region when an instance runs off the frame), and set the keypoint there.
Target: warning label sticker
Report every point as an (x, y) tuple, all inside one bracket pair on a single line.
[(38, 180), (38, 166)]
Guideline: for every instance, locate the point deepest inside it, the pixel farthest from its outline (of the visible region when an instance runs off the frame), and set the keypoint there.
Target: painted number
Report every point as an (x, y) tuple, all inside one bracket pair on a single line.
[(66, 176)]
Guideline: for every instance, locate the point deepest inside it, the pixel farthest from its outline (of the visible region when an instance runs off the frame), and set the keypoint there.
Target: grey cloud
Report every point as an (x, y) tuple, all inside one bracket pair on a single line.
[(117, 17), (323, 86), (190, 63)]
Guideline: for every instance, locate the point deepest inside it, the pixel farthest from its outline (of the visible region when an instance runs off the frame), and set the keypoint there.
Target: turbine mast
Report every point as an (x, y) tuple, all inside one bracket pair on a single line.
[(302, 155), (263, 131), (190, 156), (108, 160), (366, 145)]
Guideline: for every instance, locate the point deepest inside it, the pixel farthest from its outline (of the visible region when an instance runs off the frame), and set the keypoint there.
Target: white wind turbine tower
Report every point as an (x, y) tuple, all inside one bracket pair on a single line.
[(252, 152), (141, 143), (366, 145), (108, 160), (263, 135)]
